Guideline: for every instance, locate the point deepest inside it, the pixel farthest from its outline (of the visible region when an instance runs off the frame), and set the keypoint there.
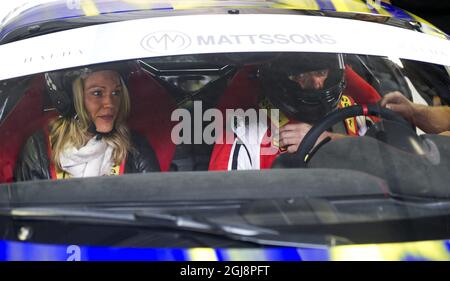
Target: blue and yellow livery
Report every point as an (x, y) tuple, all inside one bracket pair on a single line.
[(359, 9), (409, 251)]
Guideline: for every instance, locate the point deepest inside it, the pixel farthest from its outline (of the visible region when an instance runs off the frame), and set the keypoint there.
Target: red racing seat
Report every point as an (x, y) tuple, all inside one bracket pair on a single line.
[(151, 110), (23, 120)]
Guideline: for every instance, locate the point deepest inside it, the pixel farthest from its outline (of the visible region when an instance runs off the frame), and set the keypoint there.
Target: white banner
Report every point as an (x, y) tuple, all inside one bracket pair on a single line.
[(215, 34)]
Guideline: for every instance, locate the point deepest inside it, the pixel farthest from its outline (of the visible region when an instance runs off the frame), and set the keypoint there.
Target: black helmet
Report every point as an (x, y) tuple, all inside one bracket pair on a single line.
[(279, 85), (59, 83)]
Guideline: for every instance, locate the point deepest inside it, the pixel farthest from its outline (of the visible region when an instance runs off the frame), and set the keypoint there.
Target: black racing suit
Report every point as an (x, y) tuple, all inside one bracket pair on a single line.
[(33, 162)]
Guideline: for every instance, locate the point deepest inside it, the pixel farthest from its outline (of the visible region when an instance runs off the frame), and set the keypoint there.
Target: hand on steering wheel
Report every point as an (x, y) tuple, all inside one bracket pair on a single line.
[(292, 135), (300, 158)]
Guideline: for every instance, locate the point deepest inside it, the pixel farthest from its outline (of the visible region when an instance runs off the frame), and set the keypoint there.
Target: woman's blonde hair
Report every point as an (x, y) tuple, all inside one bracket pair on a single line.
[(70, 131)]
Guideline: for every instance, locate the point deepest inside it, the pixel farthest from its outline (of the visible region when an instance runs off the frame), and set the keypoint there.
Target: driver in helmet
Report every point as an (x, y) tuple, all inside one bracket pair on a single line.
[(90, 137), (305, 88)]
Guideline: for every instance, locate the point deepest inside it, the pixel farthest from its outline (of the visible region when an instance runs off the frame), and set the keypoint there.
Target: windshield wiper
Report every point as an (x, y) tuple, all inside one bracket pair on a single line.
[(201, 225), (244, 233)]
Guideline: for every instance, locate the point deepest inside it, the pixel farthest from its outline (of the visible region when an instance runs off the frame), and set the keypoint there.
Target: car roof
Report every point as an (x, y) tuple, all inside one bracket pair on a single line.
[(168, 36), (60, 10)]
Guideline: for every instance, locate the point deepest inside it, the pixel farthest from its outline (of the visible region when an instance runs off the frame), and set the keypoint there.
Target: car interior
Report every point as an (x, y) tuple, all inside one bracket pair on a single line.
[(158, 86)]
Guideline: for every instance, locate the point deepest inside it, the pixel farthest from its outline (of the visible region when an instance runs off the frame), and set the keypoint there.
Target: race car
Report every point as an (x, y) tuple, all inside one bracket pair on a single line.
[(211, 86)]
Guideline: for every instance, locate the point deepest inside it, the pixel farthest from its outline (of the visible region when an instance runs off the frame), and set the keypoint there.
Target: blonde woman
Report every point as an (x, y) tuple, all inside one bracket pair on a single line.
[(91, 137)]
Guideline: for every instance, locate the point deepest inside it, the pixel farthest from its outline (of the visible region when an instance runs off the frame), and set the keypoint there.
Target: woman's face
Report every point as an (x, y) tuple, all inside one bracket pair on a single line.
[(102, 97)]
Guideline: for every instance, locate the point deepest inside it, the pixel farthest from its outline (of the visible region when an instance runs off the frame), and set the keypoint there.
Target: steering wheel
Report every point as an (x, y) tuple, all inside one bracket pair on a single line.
[(403, 134)]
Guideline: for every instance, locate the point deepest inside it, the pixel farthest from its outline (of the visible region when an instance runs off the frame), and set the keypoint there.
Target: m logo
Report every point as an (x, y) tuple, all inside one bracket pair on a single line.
[(166, 41)]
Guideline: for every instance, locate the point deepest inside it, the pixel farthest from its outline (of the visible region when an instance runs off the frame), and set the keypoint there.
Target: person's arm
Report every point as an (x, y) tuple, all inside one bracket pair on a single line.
[(142, 158), (430, 119), (33, 162), (433, 120)]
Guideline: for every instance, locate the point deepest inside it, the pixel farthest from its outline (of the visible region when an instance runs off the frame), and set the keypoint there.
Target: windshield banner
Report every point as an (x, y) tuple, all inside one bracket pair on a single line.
[(196, 34)]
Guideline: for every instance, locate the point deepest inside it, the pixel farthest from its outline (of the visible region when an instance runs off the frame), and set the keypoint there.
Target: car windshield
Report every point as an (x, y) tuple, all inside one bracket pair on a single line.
[(227, 111), (291, 141)]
